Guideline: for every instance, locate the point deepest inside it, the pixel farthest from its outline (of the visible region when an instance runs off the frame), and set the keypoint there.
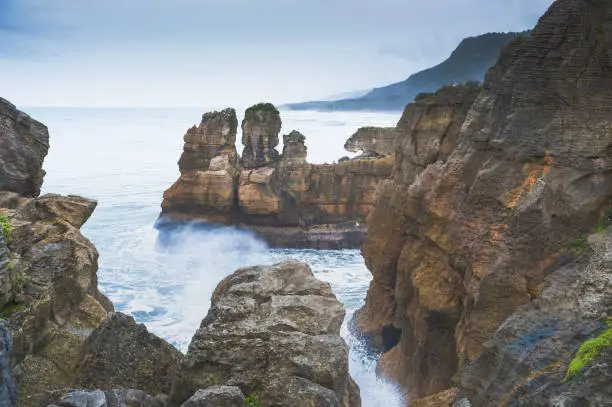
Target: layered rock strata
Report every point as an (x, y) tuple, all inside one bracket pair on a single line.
[(469, 241), (288, 201), (274, 332)]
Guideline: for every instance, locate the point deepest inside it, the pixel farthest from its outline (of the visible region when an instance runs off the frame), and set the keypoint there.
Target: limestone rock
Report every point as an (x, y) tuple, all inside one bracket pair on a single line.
[(274, 333), (286, 200), (121, 352), (294, 149), (201, 192), (216, 135), (372, 141), (260, 129), (463, 233), (526, 361), (217, 396), (24, 144)]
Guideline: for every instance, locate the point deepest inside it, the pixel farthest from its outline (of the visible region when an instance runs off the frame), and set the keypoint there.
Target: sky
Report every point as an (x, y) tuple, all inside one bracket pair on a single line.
[(178, 53)]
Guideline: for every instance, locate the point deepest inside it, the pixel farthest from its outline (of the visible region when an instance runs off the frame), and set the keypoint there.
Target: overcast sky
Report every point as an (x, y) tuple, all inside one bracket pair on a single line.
[(230, 52)]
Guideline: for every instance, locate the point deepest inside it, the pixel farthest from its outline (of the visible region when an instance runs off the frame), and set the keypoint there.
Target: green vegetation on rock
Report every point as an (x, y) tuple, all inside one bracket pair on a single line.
[(7, 228), (251, 401), (11, 309), (266, 107), (589, 351)]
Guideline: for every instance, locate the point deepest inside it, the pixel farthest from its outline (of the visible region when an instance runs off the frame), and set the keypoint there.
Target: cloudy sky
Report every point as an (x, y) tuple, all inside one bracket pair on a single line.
[(224, 52)]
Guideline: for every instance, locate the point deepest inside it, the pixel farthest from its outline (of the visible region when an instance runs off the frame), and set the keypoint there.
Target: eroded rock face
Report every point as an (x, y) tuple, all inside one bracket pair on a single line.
[(121, 352), (53, 309), (372, 141), (273, 332), (54, 301), (260, 129), (24, 144), (216, 135), (461, 238), (288, 201)]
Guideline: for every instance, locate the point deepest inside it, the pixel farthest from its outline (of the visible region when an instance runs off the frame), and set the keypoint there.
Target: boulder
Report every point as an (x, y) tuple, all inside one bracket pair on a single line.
[(121, 352), (24, 144), (274, 332), (217, 396)]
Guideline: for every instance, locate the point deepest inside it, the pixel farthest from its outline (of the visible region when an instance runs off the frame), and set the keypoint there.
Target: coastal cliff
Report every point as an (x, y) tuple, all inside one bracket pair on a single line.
[(281, 197), (489, 244), (62, 344)]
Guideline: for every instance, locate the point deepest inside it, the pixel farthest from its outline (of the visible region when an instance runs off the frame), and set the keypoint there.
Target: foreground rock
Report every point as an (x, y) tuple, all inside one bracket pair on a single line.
[(23, 147), (283, 198), (55, 336), (480, 212), (273, 332), (123, 353)]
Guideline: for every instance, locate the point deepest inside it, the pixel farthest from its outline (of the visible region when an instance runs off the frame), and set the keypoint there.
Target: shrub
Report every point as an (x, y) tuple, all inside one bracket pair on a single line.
[(7, 228), (251, 401)]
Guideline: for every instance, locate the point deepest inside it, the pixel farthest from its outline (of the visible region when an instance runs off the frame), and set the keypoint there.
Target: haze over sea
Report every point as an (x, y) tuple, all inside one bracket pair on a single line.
[(126, 158)]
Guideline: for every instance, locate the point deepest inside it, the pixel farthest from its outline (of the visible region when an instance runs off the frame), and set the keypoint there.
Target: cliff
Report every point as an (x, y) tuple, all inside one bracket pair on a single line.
[(282, 197), (469, 62), (61, 341), (483, 277)]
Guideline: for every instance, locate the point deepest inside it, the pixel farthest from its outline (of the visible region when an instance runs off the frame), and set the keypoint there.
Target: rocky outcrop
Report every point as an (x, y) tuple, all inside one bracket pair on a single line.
[(215, 136), (23, 147), (288, 201), (475, 216), (123, 353), (372, 141), (274, 333), (260, 129)]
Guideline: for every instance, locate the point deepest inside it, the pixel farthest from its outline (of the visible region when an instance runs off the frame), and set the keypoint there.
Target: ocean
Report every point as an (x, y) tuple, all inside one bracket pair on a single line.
[(126, 158)]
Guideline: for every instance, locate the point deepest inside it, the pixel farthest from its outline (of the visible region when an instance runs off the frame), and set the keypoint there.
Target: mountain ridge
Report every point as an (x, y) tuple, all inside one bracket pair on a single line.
[(469, 62)]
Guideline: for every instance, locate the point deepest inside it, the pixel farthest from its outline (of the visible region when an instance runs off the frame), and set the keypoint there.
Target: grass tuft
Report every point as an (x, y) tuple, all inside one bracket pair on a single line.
[(589, 351)]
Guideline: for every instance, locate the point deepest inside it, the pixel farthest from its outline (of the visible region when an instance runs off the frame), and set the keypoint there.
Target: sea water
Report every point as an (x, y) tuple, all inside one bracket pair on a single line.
[(126, 158)]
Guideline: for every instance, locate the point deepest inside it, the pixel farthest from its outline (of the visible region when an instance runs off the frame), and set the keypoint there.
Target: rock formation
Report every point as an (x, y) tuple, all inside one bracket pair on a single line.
[(468, 241), (372, 141), (260, 129), (23, 147), (288, 201), (274, 332), (215, 136)]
